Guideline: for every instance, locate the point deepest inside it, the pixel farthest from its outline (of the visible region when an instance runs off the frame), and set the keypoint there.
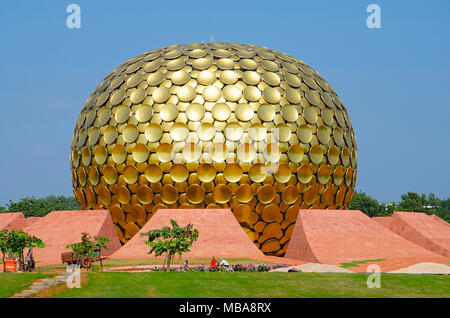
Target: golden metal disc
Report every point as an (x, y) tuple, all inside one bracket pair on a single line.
[(93, 175), (130, 174), (169, 194), (140, 153), (252, 93), (283, 132), (245, 152), (242, 212), (251, 78), (324, 174), (206, 131), (292, 80), (179, 172), (327, 116), (179, 131), (137, 96), (117, 96), (164, 152), (283, 173), (218, 152), (206, 77), (153, 173), (244, 112), (266, 112), (222, 194), (130, 133), (271, 95), (123, 195), (289, 113), (316, 154), (293, 95), (269, 65), (175, 64), (186, 93), (191, 152), (323, 134), (153, 132), (270, 213), (144, 194), (232, 93), (195, 194), (104, 195), (110, 174), (119, 154), (228, 77), (122, 114), (295, 153), (271, 79), (305, 173), (86, 156), (195, 112), (304, 133), (161, 94), (310, 113), (153, 65), (225, 64), (221, 111), (338, 175), (144, 113), (202, 63), (272, 152), (257, 132), (155, 79), (313, 97), (211, 93), (333, 155), (257, 172), (100, 154), (233, 131), (206, 172), (248, 64), (168, 112), (266, 194), (103, 116), (244, 193), (232, 172), (290, 194), (310, 195)]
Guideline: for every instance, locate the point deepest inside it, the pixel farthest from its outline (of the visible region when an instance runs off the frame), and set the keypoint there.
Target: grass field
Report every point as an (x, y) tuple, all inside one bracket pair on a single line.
[(245, 284), (11, 283)]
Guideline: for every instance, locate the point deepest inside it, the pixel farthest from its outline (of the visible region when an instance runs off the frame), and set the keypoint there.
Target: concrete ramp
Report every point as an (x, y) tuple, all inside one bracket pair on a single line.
[(12, 221), (428, 231), (383, 220), (336, 236), (60, 228), (220, 235)]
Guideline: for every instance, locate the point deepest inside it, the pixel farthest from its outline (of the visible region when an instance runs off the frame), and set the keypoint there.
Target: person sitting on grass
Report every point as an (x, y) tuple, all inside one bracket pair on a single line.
[(214, 262), (224, 263)]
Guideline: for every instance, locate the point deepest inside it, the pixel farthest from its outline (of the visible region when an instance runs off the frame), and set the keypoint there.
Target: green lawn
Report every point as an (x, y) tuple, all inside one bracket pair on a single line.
[(247, 284), (11, 283)]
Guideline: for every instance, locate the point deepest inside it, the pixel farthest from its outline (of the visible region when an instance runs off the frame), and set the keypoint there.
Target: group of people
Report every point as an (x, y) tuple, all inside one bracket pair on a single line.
[(214, 262)]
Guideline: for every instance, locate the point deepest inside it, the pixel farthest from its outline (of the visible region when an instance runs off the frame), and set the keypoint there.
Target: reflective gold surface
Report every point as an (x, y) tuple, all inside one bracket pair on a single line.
[(214, 125)]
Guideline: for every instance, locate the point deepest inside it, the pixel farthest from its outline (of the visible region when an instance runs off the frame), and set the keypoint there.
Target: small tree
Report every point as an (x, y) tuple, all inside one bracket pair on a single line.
[(171, 241), (88, 245), (16, 242)]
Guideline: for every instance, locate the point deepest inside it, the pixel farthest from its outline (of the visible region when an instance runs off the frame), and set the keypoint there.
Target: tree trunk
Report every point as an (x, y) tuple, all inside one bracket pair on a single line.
[(4, 265)]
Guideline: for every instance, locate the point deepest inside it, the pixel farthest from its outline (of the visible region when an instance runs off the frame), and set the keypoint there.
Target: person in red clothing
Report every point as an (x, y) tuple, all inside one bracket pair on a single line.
[(214, 262)]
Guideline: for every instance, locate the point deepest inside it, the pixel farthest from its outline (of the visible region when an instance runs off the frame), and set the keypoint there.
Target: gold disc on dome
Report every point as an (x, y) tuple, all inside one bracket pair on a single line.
[(211, 93), (245, 152), (232, 172), (221, 111), (233, 131), (222, 193), (257, 172), (244, 112), (218, 152), (169, 194), (153, 173), (295, 153), (186, 93), (242, 212), (155, 79), (206, 77), (161, 94), (179, 172), (168, 112), (195, 112), (179, 131), (119, 154), (130, 133), (144, 194), (144, 113), (153, 132), (232, 93), (244, 193), (110, 174), (305, 173), (290, 194), (266, 194), (251, 78), (130, 174), (195, 194), (140, 153), (206, 131), (206, 172), (266, 112)]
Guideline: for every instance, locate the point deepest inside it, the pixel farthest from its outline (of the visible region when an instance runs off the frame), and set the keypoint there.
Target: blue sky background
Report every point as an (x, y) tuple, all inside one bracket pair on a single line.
[(394, 81)]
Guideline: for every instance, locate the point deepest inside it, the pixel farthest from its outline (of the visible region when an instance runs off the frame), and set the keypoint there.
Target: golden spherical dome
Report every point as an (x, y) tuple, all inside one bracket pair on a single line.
[(214, 125)]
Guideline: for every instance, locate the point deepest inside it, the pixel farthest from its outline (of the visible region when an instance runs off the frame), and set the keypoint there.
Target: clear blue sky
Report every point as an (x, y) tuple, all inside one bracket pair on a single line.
[(394, 80)]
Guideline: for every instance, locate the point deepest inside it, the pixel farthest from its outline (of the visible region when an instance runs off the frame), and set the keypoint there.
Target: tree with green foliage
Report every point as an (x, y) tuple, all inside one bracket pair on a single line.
[(171, 241), (368, 205), (16, 242), (88, 245), (31, 206)]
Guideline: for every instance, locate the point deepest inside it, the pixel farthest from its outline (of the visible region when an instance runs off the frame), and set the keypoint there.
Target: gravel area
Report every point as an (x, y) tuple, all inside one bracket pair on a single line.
[(425, 268), (315, 268)]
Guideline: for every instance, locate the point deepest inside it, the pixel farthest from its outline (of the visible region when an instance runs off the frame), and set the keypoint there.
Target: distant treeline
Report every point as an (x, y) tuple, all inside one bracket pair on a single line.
[(410, 201)]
